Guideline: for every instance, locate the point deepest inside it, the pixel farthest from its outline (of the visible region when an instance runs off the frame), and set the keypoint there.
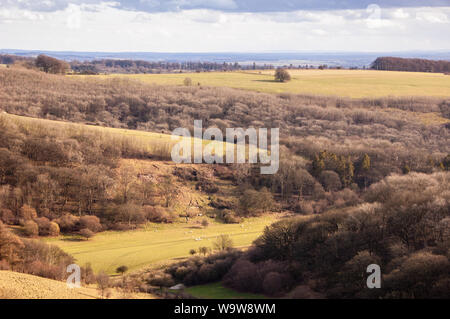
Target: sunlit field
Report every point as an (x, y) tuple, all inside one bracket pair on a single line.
[(156, 243), (345, 83)]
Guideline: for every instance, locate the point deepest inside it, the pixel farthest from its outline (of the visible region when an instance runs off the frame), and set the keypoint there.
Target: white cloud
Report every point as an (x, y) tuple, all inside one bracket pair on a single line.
[(400, 14), (217, 4), (74, 18), (177, 5), (106, 27), (16, 15), (432, 17), (319, 32)]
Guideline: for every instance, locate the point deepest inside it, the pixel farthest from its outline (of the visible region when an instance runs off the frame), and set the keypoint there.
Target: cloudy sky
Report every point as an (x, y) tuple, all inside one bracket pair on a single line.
[(225, 25)]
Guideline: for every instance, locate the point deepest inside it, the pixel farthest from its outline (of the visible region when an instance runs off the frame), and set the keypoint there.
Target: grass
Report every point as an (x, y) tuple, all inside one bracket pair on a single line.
[(344, 83), (148, 141), (23, 286), (155, 243), (218, 291), (157, 144)]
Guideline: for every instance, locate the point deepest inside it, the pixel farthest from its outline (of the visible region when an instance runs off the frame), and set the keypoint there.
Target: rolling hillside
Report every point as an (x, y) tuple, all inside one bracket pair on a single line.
[(15, 285), (22, 286)]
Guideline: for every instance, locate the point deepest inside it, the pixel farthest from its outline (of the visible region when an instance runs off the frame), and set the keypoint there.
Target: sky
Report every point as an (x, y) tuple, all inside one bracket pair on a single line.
[(225, 25)]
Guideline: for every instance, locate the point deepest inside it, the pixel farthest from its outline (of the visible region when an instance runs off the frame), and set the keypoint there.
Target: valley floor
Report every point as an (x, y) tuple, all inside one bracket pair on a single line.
[(156, 243)]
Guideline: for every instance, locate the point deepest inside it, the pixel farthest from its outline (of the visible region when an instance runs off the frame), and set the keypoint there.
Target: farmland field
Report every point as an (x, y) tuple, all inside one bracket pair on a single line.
[(344, 83), (156, 243)]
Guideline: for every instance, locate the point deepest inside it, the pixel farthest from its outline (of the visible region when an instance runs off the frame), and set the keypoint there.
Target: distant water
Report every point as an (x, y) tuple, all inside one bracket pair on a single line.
[(344, 59)]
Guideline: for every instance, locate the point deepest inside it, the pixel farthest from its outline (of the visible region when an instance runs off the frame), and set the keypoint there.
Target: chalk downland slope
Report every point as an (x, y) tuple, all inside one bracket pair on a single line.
[(15, 285), (23, 286)]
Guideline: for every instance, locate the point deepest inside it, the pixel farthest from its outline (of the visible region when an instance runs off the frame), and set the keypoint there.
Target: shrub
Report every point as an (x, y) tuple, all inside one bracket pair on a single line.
[(354, 273), (220, 203), (161, 281), (87, 233), (91, 222), (10, 247), (53, 229), (207, 187), (275, 283), (122, 269), (223, 242), (304, 208), (254, 202), (7, 216), (418, 277), (103, 283), (51, 65), (4, 265), (282, 75), (88, 275), (130, 214), (201, 270), (227, 216), (330, 181), (43, 225), (68, 223), (158, 214), (204, 250), (31, 229), (27, 213), (205, 223), (243, 276)]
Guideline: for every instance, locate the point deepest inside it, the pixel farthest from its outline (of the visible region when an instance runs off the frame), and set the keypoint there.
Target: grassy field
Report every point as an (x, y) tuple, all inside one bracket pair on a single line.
[(155, 243), (345, 83), (217, 291)]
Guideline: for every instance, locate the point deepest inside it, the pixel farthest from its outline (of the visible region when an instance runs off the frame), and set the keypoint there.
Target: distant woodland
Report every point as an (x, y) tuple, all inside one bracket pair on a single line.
[(132, 66), (411, 65), (137, 67)]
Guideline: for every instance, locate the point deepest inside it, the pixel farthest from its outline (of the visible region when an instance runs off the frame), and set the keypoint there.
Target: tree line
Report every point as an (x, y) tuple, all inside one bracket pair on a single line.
[(411, 65), (51, 65), (139, 66)]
